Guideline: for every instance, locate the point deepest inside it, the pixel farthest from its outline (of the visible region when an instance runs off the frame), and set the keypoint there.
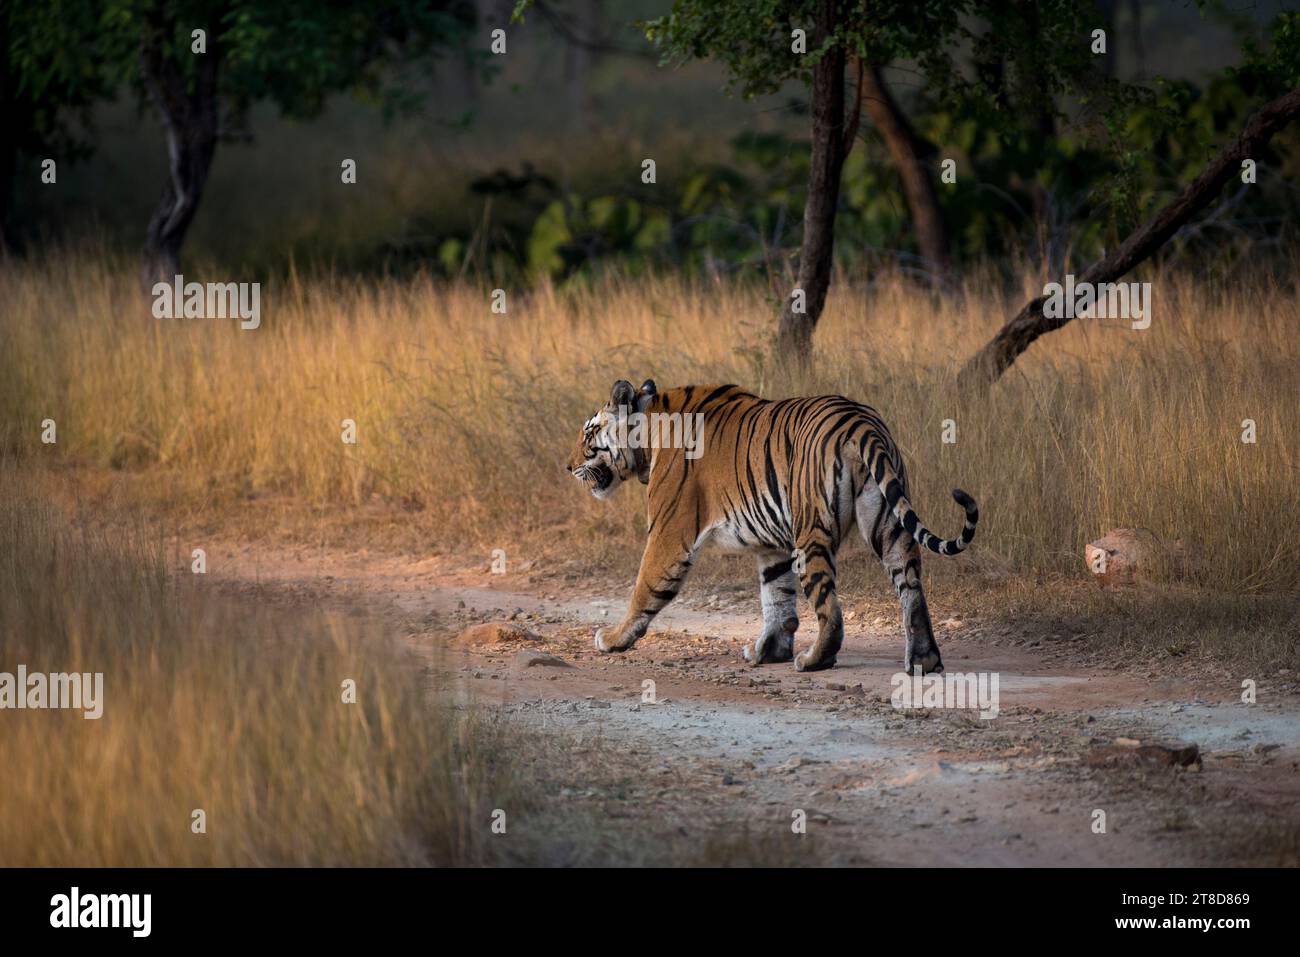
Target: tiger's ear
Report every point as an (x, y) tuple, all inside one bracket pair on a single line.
[(622, 395), (646, 395)]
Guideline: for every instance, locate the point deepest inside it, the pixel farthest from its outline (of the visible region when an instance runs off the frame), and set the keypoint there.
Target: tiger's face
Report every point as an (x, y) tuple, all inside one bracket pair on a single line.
[(600, 459)]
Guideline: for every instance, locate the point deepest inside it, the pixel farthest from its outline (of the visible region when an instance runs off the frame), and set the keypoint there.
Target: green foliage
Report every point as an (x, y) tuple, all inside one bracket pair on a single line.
[(745, 214), (51, 70), (293, 53), (573, 231), (58, 57), (1275, 66), (1013, 88), (753, 38)]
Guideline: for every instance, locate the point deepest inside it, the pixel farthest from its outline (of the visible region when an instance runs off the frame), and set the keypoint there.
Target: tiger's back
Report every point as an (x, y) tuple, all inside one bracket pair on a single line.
[(769, 471)]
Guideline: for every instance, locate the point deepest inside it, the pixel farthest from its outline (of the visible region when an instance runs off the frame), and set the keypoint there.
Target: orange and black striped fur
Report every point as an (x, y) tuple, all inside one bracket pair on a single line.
[(786, 480)]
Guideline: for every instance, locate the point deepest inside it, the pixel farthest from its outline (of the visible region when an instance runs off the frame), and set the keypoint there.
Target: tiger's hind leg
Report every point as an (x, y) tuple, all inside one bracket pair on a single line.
[(663, 570), (901, 557), (818, 579), (780, 617)]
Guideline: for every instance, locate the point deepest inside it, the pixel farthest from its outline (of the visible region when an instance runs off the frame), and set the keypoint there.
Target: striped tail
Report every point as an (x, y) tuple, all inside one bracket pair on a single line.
[(892, 489)]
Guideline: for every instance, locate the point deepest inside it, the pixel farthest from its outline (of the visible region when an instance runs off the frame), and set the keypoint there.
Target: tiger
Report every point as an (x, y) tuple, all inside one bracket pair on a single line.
[(786, 480)]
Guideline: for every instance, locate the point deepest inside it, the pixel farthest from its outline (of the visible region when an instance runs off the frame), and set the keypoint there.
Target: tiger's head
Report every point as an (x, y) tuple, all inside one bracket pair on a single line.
[(602, 459)]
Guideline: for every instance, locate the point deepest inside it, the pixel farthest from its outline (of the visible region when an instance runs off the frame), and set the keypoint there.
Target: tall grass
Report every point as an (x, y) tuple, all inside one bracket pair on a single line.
[(232, 709), (465, 417)]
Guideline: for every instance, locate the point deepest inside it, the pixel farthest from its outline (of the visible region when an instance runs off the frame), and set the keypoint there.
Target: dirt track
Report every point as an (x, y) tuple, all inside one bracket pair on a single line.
[(731, 744)]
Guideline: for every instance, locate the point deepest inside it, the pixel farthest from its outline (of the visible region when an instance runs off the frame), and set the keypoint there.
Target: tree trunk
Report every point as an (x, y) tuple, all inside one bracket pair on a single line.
[(8, 171), (1139, 50), (190, 122), (14, 124), (909, 153), (1016, 336), (1039, 102), (829, 148), (580, 61)]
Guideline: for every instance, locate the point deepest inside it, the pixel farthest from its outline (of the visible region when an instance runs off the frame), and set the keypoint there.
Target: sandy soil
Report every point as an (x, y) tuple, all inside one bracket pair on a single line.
[(754, 747)]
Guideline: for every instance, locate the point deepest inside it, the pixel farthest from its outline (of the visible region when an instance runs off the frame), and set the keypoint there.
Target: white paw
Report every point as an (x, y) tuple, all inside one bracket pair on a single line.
[(600, 640)]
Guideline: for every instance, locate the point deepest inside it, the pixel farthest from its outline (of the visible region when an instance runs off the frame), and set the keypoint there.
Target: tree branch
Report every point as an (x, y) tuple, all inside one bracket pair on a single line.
[(987, 365)]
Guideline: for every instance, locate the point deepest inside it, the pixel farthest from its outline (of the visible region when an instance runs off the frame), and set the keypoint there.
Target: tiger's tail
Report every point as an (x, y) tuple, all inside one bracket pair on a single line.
[(892, 489)]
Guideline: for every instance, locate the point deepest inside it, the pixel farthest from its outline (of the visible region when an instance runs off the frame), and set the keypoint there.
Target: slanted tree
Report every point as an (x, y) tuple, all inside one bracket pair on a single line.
[(1272, 71), (1031, 322)]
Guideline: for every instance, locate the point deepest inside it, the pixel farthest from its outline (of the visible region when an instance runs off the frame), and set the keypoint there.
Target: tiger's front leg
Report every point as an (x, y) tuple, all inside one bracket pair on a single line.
[(663, 570)]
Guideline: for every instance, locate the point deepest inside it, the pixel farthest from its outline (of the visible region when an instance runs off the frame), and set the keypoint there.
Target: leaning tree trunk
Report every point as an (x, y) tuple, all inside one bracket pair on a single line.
[(829, 147), (909, 152), (190, 122), (1016, 336)]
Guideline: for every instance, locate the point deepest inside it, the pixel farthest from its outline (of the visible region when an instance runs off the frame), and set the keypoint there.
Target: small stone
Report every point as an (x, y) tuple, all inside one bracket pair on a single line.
[(496, 633), (534, 659)]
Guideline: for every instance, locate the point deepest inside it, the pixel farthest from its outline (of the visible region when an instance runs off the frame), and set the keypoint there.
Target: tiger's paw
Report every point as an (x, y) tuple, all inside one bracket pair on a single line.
[(605, 647), (770, 648), (929, 663), (804, 662)]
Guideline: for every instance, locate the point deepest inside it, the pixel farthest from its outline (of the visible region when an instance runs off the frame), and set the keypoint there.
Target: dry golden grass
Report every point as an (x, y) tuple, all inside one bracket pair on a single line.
[(465, 417), (223, 706)]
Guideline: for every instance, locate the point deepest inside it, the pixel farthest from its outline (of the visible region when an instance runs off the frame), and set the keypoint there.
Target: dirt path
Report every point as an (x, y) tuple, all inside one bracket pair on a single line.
[(760, 748)]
